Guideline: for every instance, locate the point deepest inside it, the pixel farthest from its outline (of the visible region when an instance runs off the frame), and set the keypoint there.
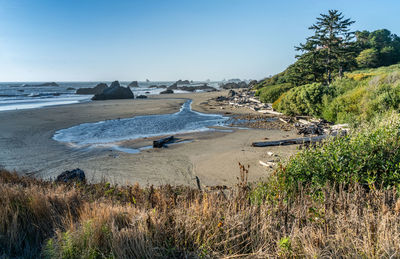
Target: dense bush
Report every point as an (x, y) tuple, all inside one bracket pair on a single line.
[(363, 96), (369, 156), (345, 108), (270, 94), (358, 96), (303, 100), (272, 80)]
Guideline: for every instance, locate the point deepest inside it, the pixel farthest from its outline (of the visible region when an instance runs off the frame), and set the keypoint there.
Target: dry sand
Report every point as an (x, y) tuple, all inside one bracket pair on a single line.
[(26, 145)]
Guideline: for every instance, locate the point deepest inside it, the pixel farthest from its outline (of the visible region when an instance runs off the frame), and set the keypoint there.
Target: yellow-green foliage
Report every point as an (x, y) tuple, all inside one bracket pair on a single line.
[(270, 94), (303, 100), (363, 95), (358, 96), (358, 76), (345, 107)]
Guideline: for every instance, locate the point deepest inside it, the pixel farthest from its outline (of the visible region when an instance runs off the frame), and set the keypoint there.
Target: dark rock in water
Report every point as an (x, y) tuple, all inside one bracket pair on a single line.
[(147, 92), (141, 97), (115, 91), (70, 176), (44, 84), (203, 87), (182, 82), (234, 85), (232, 93), (115, 84), (168, 91), (98, 89), (174, 86), (70, 88), (133, 84)]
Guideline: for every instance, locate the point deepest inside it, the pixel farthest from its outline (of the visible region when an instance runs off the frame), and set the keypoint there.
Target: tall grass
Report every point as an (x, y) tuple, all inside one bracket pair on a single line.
[(61, 221)]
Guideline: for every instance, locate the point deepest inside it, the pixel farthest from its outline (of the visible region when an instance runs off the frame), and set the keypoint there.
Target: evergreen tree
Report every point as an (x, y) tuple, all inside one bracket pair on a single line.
[(331, 43)]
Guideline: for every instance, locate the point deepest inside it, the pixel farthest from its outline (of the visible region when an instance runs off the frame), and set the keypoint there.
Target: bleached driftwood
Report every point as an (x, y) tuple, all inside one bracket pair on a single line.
[(295, 141), (267, 164), (162, 142)]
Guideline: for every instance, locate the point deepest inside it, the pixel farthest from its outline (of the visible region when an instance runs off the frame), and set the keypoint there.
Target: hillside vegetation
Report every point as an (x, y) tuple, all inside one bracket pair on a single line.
[(357, 96), (340, 75)]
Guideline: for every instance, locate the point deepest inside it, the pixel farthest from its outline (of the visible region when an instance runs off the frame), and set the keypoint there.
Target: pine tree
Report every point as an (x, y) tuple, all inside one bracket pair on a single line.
[(331, 43)]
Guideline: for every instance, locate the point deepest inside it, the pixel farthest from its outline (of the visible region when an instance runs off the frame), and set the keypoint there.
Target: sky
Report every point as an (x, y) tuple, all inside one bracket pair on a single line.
[(105, 40)]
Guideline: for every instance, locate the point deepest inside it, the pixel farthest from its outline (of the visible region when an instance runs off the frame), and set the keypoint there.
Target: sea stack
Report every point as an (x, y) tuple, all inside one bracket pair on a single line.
[(98, 89), (133, 84), (115, 91)]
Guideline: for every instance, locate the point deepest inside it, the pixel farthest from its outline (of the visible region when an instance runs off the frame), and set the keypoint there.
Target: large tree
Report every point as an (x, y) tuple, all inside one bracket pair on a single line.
[(332, 44)]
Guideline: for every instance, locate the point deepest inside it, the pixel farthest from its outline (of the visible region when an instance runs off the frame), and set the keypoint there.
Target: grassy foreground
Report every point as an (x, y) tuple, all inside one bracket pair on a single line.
[(58, 221), (302, 211)]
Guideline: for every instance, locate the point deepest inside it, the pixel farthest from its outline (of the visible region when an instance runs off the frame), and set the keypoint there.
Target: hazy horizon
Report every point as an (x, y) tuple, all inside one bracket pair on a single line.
[(86, 41)]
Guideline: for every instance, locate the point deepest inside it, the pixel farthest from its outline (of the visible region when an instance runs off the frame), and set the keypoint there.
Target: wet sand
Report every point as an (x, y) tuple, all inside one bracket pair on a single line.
[(27, 146)]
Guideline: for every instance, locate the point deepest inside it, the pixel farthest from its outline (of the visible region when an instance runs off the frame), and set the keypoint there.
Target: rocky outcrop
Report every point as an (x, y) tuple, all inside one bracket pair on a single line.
[(182, 82), (234, 85), (141, 96), (70, 88), (203, 87), (252, 83), (168, 91), (133, 84), (115, 91), (98, 89), (44, 84), (174, 86), (71, 176), (115, 84)]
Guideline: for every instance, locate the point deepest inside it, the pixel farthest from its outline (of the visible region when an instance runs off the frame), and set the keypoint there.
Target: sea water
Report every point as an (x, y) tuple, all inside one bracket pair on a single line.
[(17, 95), (109, 131)]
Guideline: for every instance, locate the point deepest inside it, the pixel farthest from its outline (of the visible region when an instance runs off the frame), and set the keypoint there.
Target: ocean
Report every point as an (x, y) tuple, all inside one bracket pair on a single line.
[(27, 95)]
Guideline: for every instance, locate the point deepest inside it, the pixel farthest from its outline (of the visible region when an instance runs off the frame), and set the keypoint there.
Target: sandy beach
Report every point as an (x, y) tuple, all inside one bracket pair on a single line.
[(28, 148)]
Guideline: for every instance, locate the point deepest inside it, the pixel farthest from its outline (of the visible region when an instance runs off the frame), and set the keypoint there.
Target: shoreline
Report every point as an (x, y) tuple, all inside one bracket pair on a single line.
[(212, 156)]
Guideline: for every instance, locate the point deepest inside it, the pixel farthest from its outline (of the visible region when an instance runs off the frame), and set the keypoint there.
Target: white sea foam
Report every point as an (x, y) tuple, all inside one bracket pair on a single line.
[(7, 105)]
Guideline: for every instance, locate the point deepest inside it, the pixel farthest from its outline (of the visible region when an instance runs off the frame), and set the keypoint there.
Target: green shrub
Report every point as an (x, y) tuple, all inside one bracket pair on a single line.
[(303, 100), (369, 156), (272, 80), (345, 108), (270, 94), (354, 101)]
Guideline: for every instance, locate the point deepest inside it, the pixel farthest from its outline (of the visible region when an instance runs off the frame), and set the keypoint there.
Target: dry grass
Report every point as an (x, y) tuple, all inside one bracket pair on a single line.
[(40, 218)]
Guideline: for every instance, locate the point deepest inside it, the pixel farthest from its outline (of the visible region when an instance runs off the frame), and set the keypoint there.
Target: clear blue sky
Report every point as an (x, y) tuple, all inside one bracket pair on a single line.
[(84, 40)]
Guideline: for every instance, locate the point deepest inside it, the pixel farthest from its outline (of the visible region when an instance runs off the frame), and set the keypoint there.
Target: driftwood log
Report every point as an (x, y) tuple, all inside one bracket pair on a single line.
[(162, 142), (293, 141)]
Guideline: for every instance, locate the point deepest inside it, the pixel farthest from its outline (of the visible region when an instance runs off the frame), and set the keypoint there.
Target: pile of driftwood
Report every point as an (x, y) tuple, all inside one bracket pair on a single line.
[(313, 131), (246, 98), (312, 127)]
